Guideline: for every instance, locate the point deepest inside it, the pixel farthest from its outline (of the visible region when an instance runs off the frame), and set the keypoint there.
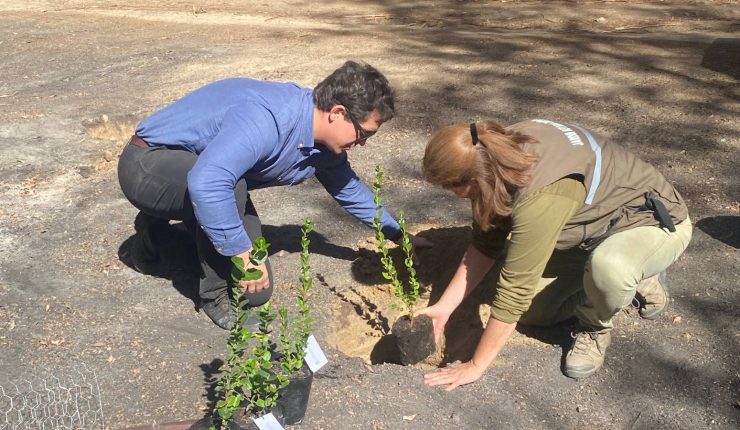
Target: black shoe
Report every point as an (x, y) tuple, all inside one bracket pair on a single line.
[(144, 246), (220, 312)]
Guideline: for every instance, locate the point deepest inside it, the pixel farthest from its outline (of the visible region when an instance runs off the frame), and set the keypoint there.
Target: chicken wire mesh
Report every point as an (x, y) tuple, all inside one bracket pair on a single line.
[(56, 400)]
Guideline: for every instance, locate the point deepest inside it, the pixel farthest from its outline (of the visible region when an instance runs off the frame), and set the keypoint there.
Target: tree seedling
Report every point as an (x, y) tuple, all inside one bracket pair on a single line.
[(408, 296), (294, 336), (248, 379)]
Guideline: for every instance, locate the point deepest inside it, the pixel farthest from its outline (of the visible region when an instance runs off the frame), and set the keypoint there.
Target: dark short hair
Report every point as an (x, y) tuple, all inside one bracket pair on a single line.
[(360, 88)]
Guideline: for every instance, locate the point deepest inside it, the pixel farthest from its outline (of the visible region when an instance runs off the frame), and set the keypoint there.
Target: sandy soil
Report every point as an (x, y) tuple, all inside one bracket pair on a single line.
[(660, 77)]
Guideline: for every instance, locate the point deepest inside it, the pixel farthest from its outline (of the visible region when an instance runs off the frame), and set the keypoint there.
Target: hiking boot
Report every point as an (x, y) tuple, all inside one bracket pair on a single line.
[(220, 312), (652, 294), (587, 354)]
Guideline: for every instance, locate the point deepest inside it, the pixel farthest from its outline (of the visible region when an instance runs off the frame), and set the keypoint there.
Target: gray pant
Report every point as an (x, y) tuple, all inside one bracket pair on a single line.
[(595, 286), (154, 180)]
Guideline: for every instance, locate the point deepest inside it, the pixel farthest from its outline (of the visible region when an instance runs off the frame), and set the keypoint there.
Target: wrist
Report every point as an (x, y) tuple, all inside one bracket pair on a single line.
[(445, 306), (480, 368)]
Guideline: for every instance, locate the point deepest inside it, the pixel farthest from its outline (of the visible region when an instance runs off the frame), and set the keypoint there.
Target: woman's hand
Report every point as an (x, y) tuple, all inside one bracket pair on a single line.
[(455, 376), (420, 242), (416, 244), (439, 315), (256, 285), (496, 334)]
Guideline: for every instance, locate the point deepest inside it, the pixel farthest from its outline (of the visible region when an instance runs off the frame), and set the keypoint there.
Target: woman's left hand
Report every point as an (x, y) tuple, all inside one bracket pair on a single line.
[(420, 242), (416, 244), (455, 376)]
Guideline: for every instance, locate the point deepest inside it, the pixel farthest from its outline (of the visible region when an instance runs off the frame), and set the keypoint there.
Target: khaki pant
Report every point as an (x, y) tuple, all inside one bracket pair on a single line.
[(595, 286)]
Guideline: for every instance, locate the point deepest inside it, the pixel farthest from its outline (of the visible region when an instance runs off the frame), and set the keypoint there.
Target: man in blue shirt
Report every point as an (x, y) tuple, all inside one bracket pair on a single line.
[(196, 160)]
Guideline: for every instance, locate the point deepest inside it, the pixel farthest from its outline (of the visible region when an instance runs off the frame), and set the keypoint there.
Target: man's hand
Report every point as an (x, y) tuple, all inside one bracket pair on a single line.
[(256, 285), (455, 376), (439, 316)]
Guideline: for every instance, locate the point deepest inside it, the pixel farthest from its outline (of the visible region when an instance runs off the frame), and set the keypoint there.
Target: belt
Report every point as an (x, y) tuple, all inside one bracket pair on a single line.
[(137, 141)]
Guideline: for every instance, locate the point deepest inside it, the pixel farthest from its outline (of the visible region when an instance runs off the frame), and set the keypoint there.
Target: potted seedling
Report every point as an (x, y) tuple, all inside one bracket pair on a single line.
[(249, 384), (293, 336), (258, 376), (414, 335)]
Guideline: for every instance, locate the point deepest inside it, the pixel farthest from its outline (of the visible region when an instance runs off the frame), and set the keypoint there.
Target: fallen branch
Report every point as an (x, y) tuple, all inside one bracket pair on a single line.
[(638, 27)]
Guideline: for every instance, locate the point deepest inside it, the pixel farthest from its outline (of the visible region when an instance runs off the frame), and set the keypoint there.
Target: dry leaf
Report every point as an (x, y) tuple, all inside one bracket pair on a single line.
[(409, 417)]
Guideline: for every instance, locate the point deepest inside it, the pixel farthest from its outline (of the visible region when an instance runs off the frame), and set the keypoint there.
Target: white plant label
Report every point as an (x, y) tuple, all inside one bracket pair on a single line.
[(315, 358), (268, 422)]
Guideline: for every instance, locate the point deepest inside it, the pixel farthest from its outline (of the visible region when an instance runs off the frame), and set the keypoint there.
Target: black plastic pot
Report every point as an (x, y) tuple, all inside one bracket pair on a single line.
[(240, 421), (206, 422), (293, 398), (415, 338)]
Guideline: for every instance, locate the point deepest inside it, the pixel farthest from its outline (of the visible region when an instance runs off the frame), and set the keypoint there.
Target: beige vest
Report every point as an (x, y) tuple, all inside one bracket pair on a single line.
[(616, 182)]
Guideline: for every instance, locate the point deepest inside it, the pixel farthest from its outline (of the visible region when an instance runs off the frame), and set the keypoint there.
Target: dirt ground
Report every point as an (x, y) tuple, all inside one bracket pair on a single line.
[(76, 75)]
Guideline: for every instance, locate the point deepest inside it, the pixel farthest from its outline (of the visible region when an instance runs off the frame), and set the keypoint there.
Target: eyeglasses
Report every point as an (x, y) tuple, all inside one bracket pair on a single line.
[(360, 132)]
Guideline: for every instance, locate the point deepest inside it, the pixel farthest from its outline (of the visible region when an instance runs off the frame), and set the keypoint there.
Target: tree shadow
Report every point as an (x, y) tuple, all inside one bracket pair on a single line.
[(697, 372), (725, 228), (288, 238), (211, 373), (723, 56)]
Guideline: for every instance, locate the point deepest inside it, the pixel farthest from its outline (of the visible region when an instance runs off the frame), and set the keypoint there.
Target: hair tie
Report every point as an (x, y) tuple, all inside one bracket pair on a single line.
[(474, 133)]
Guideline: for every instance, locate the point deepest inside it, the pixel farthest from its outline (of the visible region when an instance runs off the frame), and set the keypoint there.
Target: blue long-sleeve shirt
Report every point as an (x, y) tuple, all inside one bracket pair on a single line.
[(262, 132)]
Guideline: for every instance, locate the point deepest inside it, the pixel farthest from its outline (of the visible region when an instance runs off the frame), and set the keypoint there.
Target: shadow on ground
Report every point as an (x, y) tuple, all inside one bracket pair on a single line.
[(178, 260), (288, 238), (725, 229), (723, 56)]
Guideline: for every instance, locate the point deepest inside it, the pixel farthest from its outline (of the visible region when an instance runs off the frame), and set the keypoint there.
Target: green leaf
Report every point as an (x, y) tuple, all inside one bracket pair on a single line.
[(251, 274), (262, 373), (258, 257), (261, 243), (237, 274), (238, 262), (232, 401), (225, 414)]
